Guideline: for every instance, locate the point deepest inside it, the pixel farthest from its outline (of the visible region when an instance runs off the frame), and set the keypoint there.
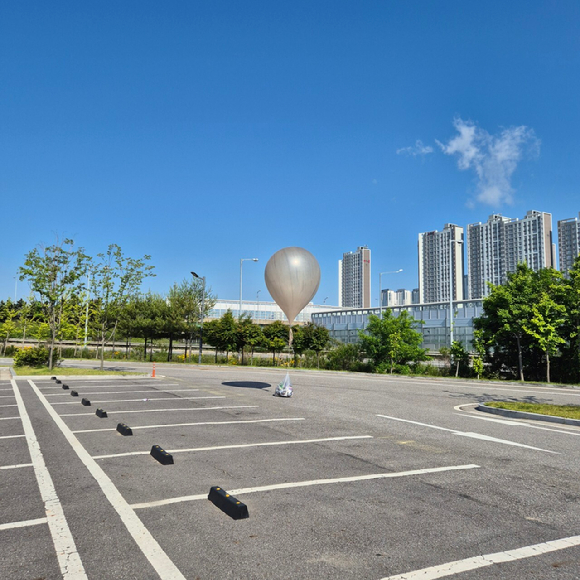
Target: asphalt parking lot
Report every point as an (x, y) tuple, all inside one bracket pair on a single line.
[(355, 477)]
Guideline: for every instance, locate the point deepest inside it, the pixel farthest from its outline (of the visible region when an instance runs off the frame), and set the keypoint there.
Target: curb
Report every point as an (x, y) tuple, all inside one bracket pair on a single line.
[(524, 415)]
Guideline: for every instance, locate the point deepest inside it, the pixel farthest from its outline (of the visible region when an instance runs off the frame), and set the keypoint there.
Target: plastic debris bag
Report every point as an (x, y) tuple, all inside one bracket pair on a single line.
[(284, 389)]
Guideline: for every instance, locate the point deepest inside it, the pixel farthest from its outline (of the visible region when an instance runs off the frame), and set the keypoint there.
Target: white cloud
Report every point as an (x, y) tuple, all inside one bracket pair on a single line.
[(417, 149), (494, 158)]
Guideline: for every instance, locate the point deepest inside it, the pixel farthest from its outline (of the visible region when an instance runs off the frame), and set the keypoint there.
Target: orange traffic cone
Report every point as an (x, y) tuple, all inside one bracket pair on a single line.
[(153, 373)]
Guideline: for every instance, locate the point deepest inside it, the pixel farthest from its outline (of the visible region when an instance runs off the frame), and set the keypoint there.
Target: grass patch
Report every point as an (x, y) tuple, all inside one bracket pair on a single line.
[(566, 411), (42, 371)]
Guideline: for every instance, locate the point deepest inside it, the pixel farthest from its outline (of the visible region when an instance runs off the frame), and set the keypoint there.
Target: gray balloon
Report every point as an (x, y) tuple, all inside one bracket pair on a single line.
[(292, 278)]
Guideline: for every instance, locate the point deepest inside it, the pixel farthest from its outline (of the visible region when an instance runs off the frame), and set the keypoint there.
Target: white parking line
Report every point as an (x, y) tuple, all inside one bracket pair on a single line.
[(10, 405), (239, 446), (11, 436), (67, 394), (143, 400), (6, 396), (8, 418), (451, 568), (69, 560), (164, 566), (195, 424), (165, 410), (470, 435), (23, 524), (17, 466), (293, 484)]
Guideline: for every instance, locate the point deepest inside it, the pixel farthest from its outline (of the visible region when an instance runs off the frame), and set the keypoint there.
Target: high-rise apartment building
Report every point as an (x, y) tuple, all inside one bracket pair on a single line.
[(441, 264), (568, 243), (399, 297), (354, 279), (496, 247)]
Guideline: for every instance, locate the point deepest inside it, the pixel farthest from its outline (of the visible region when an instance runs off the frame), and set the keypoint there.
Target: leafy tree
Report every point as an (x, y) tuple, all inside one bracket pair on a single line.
[(185, 314), (247, 334), (115, 278), (544, 325), (570, 330), (392, 341), (8, 313), (480, 350), (222, 334), (55, 273), (507, 323), (276, 337), (315, 338), (460, 357)]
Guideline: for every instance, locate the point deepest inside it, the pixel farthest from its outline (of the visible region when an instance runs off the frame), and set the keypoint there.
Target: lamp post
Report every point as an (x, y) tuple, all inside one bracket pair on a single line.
[(451, 242), (241, 262), (381, 289), (202, 278), (258, 306)]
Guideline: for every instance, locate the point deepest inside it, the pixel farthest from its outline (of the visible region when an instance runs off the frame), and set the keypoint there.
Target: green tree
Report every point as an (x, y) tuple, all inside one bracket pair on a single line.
[(479, 346), (316, 338), (392, 341), (247, 334), (8, 313), (222, 334), (55, 273), (185, 314), (544, 326), (459, 356), (570, 350), (115, 278), (276, 337), (508, 313)]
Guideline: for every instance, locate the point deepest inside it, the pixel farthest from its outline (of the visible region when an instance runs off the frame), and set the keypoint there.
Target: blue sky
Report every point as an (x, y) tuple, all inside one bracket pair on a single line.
[(205, 132)]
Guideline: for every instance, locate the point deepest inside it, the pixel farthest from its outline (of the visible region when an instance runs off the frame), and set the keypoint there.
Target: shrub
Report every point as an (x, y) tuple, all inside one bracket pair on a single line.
[(34, 357), (345, 357)]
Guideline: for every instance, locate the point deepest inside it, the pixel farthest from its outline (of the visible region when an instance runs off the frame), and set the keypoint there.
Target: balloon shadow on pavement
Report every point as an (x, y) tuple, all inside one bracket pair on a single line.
[(247, 384)]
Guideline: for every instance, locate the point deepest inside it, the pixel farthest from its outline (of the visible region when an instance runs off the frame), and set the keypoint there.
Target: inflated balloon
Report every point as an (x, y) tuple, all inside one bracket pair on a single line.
[(292, 278)]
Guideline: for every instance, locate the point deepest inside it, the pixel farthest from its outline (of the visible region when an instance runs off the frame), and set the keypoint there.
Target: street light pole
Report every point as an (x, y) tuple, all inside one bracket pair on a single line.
[(451, 242), (381, 289), (202, 278), (241, 262), (258, 306)]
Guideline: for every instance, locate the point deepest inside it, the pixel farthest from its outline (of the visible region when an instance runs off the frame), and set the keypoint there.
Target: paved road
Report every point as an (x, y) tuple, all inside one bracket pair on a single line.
[(355, 477)]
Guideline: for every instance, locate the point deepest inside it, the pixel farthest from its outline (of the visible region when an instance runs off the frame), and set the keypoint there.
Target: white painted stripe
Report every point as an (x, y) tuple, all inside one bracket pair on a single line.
[(23, 524), (69, 560), (175, 399), (289, 485), (195, 424), (518, 424), (165, 410), (67, 394), (238, 446), (11, 436), (470, 435), (8, 418), (17, 466), (476, 562), (10, 405), (143, 538), (6, 396)]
